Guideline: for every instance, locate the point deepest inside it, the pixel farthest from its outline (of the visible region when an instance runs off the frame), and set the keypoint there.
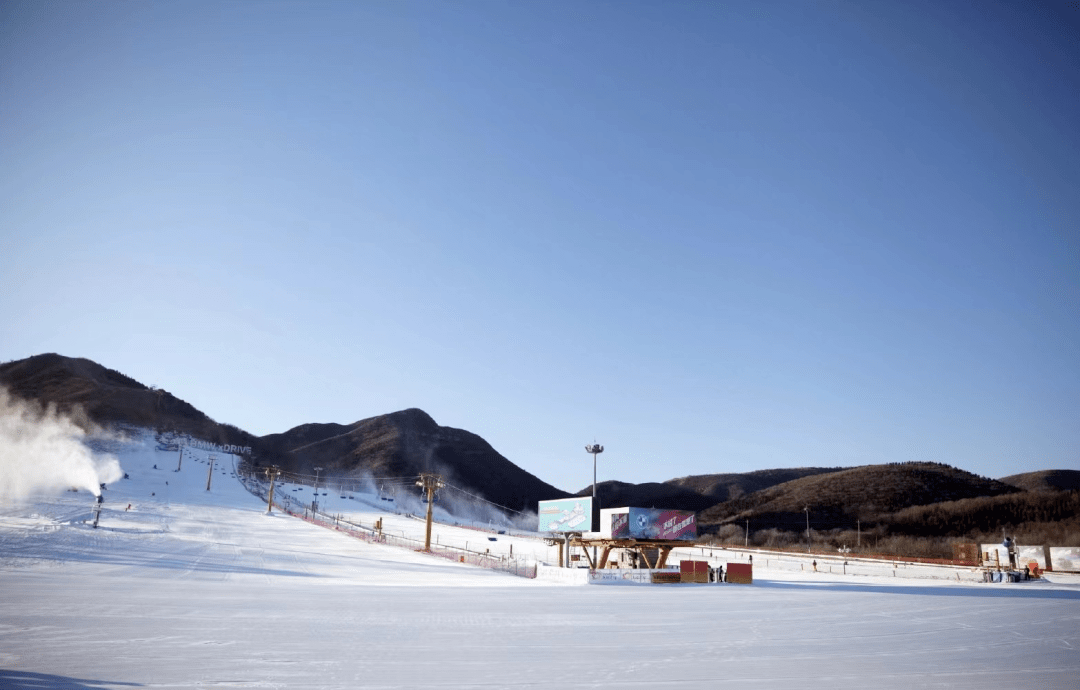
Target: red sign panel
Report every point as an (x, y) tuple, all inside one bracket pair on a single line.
[(740, 573)]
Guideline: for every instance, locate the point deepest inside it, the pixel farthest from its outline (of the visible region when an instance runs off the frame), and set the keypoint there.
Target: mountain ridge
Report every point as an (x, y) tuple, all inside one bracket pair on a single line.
[(409, 441)]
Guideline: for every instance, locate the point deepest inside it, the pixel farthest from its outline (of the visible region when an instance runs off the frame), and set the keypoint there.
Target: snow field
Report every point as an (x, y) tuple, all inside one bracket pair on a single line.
[(197, 589), (404, 518)]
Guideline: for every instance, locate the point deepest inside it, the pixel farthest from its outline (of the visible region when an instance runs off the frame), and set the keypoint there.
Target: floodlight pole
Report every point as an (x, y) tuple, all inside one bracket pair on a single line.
[(746, 541), (595, 449), (315, 501), (181, 461)]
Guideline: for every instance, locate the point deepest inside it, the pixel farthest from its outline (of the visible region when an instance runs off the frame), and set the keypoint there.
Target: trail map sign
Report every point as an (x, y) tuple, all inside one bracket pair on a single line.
[(565, 515)]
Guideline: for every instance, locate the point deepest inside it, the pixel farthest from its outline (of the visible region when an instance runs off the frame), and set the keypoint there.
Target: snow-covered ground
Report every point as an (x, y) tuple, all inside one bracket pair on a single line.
[(194, 588)]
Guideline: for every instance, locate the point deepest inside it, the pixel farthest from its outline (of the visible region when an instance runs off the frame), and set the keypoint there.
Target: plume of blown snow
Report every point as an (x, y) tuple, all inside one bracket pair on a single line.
[(42, 451)]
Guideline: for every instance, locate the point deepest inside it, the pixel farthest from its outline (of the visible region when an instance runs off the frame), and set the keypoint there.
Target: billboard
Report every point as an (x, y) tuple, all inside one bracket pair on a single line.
[(653, 523), (995, 555), (565, 515), (620, 525), (1065, 558), (1028, 555)]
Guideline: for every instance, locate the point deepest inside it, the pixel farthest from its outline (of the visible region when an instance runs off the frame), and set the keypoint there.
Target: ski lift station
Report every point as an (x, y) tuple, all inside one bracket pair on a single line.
[(631, 544)]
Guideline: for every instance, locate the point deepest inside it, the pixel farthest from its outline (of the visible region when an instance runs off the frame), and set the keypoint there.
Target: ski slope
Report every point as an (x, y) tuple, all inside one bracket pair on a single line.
[(200, 589)]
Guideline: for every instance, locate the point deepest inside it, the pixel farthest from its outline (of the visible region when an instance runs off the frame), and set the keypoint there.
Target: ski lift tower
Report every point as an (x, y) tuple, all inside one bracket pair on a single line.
[(315, 501), (430, 483)]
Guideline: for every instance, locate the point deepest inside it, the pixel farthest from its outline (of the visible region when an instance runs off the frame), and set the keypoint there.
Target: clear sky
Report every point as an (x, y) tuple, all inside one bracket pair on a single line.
[(713, 237)]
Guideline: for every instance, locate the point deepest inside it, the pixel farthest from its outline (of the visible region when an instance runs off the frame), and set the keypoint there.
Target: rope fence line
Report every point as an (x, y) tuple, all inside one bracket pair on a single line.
[(514, 565), (836, 563), (827, 552)]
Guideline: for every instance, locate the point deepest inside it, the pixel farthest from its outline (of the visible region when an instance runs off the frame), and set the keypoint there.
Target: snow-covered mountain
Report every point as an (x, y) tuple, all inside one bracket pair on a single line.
[(396, 444)]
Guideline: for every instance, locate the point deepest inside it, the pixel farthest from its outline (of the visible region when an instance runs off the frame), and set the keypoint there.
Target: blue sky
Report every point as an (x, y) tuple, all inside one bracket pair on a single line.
[(714, 237)]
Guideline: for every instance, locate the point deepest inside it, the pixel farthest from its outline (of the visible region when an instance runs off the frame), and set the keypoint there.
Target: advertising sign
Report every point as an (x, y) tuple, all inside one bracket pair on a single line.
[(622, 577), (207, 445), (740, 573), (663, 577), (995, 555), (652, 523), (565, 515), (1065, 558), (694, 571), (620, 525), (1028, 555)]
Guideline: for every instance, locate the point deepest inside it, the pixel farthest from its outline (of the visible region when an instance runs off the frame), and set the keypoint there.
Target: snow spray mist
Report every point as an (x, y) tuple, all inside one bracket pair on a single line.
[(42, 450)]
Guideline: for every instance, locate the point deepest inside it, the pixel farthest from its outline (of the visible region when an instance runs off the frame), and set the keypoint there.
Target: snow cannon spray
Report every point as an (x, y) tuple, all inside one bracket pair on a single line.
[(43, 450)]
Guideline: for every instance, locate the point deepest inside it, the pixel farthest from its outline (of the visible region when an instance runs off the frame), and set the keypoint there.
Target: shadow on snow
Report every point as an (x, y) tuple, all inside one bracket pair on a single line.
[(991, 591), (25, 680)]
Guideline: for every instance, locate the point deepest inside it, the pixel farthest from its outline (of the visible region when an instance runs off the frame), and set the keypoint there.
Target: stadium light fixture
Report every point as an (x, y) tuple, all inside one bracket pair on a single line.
[(595, 449)]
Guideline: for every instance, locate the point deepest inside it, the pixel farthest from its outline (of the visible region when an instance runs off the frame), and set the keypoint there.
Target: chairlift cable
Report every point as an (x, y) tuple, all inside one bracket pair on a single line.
[(480, 498)]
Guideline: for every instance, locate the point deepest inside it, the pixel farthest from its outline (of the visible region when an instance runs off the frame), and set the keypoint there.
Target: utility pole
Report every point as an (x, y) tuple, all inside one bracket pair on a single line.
[(272, 473), (746, 541), (858, 534), (181, 461), (210, 473), (315, 501), (429, 482)]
